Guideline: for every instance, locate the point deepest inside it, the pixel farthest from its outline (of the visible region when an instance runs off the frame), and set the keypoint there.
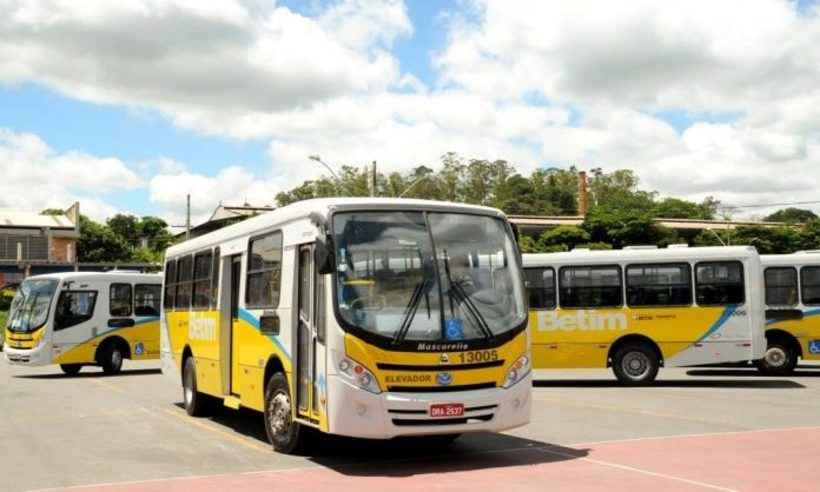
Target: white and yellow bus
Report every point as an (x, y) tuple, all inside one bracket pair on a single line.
[(81, 319), (362, 317), (792, 310), (642, 308)]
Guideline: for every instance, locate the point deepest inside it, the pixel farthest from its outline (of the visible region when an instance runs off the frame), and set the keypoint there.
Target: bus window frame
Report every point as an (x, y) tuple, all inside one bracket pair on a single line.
[(249, 272), (621, 284), (200, 280), (554, 287), (144, 285), (181, 283), (713, 262), (803, 285), (111, 287), (215, 264), (167, 284), (59, 326), (797, 286), (690, 284)]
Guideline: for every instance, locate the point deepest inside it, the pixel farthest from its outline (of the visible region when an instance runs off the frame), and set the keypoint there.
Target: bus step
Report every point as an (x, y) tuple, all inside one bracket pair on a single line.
[(232, 402)]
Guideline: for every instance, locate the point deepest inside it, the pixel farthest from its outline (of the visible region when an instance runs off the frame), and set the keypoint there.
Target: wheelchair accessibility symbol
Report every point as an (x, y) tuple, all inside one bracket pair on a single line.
[(814, 346)]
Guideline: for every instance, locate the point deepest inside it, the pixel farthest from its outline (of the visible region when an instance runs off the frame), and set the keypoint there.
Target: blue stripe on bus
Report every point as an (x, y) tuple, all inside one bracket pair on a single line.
[(252, 320)]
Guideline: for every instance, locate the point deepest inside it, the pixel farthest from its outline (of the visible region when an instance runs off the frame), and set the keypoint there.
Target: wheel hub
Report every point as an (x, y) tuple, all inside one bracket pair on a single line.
[(635, 364), (188, 390), (279, 413), (776, 357), (116, 358)]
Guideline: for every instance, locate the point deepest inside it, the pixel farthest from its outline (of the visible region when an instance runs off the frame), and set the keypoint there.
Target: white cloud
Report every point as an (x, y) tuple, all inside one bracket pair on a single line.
[(330, 85), (36, 177)]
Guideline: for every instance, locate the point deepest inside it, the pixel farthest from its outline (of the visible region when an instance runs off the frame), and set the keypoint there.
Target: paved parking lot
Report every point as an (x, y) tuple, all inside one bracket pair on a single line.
[(713, 429)]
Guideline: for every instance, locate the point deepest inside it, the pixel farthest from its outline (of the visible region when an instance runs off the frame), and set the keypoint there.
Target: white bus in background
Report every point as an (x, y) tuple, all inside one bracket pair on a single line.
[(362, 317), (642, 308), (81, 319), (792, 310)]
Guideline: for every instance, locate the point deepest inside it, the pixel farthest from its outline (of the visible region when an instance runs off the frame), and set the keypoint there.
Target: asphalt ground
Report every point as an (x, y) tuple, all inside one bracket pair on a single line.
[(696, 429)]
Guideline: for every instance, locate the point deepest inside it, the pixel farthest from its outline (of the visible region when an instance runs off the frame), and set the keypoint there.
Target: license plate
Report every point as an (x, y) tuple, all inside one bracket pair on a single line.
[(447, 410)]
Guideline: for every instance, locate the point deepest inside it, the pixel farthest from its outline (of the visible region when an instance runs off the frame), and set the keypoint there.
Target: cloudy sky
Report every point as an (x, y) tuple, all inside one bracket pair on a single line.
[(128, 106)]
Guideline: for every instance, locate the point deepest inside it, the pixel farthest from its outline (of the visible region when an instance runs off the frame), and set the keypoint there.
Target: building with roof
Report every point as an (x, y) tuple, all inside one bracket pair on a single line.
[(225, 215)]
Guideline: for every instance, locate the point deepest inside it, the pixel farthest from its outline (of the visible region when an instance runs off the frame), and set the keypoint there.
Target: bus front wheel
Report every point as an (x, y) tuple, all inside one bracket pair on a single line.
[(635, 364), (283, 433), (111, 358), (195, 402), (780, 359), (71, 369)]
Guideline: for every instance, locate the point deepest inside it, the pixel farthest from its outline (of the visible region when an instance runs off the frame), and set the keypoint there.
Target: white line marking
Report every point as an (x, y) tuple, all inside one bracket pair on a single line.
[(704, 434), (639, 470)]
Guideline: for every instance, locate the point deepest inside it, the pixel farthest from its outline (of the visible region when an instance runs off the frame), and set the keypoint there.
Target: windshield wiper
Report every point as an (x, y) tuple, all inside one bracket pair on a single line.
[(463, 298), (411, 309)]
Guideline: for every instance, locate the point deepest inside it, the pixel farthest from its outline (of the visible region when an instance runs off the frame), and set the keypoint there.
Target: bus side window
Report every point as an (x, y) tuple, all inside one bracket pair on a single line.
[(120, 300), (659, 285), (540, 284), (170, 284), (202, 280), (781, 286), (719, 282), (264, 271), (73, 308), (185, 267), (810, 278), (591, 286), (146, 299)]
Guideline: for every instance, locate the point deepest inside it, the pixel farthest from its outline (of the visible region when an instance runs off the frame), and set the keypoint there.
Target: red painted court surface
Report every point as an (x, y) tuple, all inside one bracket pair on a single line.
[(782, 459)]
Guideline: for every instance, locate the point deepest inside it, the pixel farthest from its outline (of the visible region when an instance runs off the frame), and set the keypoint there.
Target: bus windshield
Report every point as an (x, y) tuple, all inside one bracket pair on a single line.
[(431, 276), (30, 306)]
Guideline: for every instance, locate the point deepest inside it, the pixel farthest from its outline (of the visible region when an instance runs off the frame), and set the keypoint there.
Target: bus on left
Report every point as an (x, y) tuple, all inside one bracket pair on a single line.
[(81, 319)]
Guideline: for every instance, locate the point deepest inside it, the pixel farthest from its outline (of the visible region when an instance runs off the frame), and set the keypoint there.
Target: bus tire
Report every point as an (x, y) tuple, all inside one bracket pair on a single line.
[(635, 364), (196, 403), (780, 359), (71, 369), (284, 434), (110, 358)]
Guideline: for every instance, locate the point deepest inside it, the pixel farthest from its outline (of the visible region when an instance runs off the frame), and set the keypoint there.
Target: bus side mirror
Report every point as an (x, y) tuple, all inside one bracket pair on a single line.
[(323, 256)]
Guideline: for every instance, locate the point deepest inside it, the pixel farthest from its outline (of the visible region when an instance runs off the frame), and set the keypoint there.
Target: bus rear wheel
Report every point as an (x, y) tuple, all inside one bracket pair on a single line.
[(780, 359), (635, 364), (196, 403), (71, 369), (284, 434)]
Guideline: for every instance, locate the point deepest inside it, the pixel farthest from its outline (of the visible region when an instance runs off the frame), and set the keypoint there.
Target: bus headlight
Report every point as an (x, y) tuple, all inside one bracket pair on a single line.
[(357, 374), (518, 371)]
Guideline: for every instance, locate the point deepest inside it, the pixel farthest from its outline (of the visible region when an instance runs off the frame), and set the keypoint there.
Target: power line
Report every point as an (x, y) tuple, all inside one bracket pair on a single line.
[(765, 205)]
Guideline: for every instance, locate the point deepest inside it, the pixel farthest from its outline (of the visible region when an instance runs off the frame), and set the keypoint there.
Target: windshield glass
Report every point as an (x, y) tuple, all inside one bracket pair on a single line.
[(427, 277), (29, 308)]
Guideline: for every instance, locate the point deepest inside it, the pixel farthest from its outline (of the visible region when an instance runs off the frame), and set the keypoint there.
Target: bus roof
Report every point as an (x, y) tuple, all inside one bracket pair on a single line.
[(112, 275), (798, 258), (323, 206), (640, 254)]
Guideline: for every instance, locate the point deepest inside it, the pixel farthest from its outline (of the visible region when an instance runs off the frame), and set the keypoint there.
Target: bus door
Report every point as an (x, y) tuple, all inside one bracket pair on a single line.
[(307, 403), (236, 275)]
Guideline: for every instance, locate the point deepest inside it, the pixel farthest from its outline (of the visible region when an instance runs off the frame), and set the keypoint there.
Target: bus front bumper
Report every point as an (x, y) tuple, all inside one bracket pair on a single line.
[(38, 356), (355, 412)]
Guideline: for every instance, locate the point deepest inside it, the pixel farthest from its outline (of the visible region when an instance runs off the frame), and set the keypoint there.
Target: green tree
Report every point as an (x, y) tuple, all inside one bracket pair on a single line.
[(675, 208), (792, 215), (564, 238), (98, 243), (619, 190), (620, 226), (126, 226)]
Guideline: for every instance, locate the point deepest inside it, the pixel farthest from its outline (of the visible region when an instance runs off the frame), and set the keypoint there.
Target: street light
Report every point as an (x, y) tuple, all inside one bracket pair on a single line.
[(320, 161)]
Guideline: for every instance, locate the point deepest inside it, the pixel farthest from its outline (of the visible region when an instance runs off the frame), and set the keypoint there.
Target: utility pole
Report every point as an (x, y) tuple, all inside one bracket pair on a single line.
[(372, 181), (188, 218)]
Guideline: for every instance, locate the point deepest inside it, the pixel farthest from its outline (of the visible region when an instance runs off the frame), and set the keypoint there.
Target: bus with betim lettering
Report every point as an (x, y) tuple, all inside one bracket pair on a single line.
[(78, 319), (792, 286), (363, 317), (642, 308)]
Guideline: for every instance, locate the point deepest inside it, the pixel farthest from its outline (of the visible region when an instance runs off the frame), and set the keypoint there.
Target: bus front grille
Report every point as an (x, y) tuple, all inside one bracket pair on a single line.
[(440, 389), (439, 421), (443, 367)]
